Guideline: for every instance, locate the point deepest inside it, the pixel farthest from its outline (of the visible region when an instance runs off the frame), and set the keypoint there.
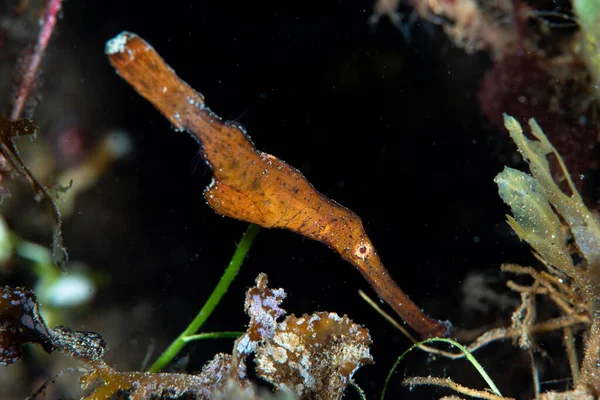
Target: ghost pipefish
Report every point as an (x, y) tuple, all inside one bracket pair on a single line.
[(256, 187)]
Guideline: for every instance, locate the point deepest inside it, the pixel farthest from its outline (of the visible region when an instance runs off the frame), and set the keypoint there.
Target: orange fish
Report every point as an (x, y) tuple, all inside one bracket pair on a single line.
[(256, 187)]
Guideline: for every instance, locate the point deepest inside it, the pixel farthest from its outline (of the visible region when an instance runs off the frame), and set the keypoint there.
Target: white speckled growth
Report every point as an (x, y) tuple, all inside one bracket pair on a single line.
[(117, 44)]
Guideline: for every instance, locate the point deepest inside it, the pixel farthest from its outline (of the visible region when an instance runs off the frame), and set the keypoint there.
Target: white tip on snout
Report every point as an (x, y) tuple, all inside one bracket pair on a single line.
[(118, 43)]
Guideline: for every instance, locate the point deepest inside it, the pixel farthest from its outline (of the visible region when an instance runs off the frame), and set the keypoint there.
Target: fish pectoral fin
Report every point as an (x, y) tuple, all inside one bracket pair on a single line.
[(230, 202)]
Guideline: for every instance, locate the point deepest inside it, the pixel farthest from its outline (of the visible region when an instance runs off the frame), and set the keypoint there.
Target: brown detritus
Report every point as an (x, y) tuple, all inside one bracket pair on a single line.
[(449, 383), (262, 305), (219, 378), (9, 130), (575, 394), (146, 385), (313, 356), (10, 160), (20, 323), (141, 385), (13, 126), (387, 8), (83, 345), (256, 187), (470, 24)]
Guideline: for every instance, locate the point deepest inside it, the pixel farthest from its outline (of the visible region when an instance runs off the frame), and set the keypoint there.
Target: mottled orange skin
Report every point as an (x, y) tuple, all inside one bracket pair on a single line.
[(256, 187)]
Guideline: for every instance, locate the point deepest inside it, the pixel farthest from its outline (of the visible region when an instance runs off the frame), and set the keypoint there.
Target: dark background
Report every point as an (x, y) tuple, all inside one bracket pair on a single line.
[(384, 122)]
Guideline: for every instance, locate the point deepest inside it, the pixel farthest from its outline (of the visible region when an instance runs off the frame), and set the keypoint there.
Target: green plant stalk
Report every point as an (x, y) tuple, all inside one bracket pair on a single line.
[(358, 389), (213, 335), (588, 15), (462, 348), (219, 291)]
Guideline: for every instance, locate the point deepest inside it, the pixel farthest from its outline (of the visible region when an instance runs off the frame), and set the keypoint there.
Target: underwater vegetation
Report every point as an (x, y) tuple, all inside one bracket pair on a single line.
[(548, 314), (537, 203), (313, 356)]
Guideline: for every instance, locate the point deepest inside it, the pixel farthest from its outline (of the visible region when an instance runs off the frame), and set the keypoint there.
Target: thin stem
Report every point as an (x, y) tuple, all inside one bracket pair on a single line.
[(462, 348), (449, 383), (213, 335), (569, 342), (53, 7), (358, 389), (588, 374), (8, 149), (212, 302)]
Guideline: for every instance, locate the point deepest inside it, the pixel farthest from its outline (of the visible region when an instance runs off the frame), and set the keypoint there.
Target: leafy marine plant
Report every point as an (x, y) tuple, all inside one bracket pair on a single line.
[(588, 14), (312, 357), (565, 236), (539, 206), (13, 125)]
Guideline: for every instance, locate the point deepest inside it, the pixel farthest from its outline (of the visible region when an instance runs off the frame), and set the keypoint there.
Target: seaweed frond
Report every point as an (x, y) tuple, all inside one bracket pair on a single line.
[(588, 15), (536, 223), (311, 357), (539, 207)]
